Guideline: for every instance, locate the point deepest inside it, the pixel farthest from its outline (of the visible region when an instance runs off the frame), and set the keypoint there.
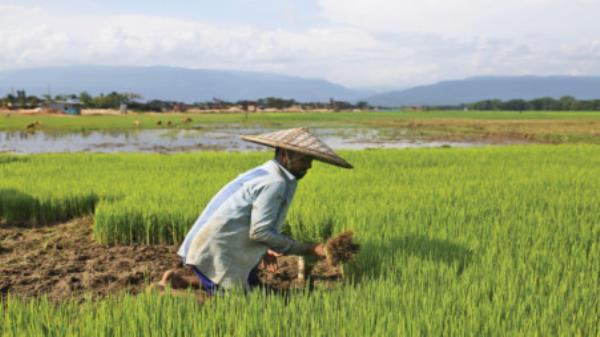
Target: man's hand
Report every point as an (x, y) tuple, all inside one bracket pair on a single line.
[(308, 249), (319, 250), (269, 261)]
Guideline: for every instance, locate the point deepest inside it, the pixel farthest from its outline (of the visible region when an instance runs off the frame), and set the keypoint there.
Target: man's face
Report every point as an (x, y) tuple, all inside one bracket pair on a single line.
[(297, 163)]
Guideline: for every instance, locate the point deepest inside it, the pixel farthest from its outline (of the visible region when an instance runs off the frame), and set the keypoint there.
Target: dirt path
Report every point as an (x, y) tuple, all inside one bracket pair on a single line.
[(63, 260)]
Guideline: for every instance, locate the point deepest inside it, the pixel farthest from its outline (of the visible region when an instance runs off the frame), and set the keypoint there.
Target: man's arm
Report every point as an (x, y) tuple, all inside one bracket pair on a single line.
[(263, 219)]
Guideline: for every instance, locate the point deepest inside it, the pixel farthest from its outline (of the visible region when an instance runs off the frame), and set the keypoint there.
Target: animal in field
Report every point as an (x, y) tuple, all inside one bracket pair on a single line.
[(31, 126), (159, 123), (187, 120), (136, 123)]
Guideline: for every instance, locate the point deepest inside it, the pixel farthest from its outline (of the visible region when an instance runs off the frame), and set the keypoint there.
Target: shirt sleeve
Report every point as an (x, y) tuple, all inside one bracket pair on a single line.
[(265, 213)]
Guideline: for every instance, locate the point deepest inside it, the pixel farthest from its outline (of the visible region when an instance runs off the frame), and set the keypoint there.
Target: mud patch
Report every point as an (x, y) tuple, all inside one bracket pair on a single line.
[(296, 272), (291, 275), (64, 260)]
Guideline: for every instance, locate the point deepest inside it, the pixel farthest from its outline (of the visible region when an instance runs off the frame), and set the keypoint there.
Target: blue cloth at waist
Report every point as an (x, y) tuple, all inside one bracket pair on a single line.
[(211, 287), (208, 285)]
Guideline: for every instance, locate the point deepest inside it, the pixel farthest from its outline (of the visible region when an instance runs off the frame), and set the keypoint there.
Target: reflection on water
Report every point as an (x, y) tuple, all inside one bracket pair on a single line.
[(171, 140)]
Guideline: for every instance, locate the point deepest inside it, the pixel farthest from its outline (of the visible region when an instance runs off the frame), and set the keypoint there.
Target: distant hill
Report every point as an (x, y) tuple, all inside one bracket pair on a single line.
[(169, 83), (479, 88), (194, 85)]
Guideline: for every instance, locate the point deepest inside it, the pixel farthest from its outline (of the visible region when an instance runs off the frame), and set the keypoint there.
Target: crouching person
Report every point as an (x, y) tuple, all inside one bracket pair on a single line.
[(240, 228)]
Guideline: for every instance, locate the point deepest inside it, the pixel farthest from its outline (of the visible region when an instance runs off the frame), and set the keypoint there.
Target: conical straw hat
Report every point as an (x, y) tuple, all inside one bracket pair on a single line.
[(302, 141)]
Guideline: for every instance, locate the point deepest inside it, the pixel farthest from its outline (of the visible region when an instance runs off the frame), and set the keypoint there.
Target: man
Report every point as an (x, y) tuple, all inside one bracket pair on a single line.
[(240, 228)]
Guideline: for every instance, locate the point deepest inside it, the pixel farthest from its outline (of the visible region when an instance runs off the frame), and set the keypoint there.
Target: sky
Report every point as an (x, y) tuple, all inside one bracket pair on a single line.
[(362, 44)]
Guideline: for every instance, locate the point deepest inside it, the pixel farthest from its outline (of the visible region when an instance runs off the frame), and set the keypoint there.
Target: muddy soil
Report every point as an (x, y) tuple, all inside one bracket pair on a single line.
[(315, 274), (63, 260)]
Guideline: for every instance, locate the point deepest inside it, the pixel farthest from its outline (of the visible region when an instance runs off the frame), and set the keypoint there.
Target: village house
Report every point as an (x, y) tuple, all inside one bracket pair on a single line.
[(70, 106)]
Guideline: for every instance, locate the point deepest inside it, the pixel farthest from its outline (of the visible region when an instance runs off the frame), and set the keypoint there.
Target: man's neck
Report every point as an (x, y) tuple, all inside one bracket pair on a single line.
[(284, 170)]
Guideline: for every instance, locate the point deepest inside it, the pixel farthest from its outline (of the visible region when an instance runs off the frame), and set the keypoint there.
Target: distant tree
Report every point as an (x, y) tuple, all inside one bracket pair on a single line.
[(10, 99), (131, 96), (488, 104), (339, 105), (60, 97), (276, 103), (567, 102), (515, 105), (363, 105), (21, 99), (86, 99), (33, 101), (112, 100), (540, 103)]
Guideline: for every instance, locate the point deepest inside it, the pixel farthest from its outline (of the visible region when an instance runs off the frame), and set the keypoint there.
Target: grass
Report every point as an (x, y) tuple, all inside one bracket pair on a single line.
[(149, 121), (489, 241), (124, 122)]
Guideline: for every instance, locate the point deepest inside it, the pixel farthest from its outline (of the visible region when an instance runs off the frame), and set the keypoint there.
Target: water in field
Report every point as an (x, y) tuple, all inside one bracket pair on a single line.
[(219, 138)]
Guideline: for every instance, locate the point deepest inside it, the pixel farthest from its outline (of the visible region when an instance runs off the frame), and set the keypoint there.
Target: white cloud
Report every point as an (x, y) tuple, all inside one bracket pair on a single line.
[(46, 38), (460, 18), (373, 43)]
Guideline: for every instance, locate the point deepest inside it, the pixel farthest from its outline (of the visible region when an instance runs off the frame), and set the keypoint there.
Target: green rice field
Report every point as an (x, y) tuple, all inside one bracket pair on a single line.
[(491, 241)]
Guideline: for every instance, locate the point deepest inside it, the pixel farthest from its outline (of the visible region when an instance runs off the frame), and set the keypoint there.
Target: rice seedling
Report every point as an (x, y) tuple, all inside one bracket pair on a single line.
[(462, 242)]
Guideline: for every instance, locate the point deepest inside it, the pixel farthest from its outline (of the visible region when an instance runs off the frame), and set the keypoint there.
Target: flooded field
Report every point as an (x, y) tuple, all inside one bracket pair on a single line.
[(218, 138)]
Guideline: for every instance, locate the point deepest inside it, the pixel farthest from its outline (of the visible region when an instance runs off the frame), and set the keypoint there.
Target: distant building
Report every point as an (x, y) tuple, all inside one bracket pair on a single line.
[(70, 107)]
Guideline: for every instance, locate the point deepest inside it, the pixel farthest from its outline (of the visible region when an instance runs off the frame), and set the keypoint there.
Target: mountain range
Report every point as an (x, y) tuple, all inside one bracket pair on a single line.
[(491, 87), (196, 85), (170, 83)]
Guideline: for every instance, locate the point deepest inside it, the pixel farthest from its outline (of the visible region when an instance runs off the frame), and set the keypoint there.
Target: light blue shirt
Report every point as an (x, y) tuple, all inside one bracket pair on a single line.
[(240, 223)]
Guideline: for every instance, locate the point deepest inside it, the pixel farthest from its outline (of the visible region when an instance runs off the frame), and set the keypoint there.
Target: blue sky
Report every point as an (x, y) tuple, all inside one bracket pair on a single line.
[(369, 44)]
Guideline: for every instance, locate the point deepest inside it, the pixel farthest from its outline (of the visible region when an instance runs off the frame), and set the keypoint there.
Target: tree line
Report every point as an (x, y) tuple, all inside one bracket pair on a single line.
[(565, 103), (115, 100)]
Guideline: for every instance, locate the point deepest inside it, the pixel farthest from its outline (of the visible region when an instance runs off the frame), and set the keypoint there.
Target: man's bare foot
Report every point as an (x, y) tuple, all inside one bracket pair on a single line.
[(177, 281), (155, 287)]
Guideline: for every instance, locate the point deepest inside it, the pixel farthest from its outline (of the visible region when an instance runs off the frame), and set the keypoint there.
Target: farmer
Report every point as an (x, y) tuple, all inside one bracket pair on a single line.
[(240, 228)]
